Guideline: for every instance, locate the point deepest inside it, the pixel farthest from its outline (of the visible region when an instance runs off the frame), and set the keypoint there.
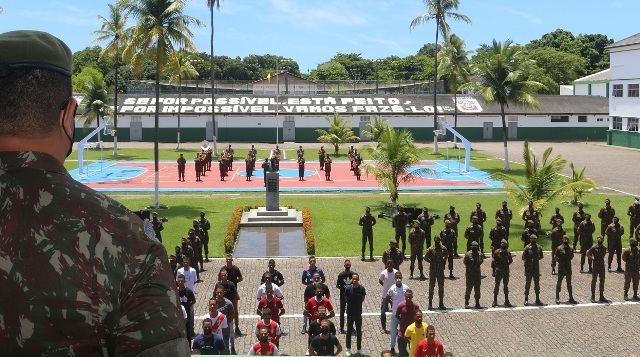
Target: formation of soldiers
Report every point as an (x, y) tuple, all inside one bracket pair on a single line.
[(194, 246), (441, 254)]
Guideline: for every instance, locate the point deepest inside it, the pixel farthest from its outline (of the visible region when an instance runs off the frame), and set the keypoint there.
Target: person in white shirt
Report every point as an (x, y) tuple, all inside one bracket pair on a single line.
[(387, 279), (395, 296), (219, 319), (262, 291), (190, 276)]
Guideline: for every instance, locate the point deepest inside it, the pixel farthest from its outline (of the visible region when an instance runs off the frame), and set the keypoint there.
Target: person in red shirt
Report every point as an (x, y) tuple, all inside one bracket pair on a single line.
[(263, 347), (430, 347), (272, 327), (271, 302), (311, 307)]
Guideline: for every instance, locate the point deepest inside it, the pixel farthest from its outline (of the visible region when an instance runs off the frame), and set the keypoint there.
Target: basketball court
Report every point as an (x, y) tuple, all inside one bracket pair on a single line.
[(139, 177)]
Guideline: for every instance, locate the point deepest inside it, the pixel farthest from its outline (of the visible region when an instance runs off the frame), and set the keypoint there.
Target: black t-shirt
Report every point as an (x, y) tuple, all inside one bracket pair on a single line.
[(186, 298), (325, 347), (344, 280), (310, 291), (354, 300), (229, 289), (314, 329), (276, 278), (233, 274)]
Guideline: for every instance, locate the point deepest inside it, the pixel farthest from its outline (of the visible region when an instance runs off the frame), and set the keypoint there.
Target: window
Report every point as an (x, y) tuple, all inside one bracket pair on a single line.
[(365, 118), (582, 118), (617, 90), (599, 119), (559, 118), (633, 90), (617, 123), (632, 124)]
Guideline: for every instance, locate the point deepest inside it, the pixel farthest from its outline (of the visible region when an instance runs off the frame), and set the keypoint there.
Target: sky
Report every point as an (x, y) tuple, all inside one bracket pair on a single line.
[(313, 31)]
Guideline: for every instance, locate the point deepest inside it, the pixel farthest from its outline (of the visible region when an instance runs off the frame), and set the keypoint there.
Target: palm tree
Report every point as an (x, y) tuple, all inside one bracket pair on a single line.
[(578, 176), (394, 155), (95, 101), (439, 11), (500, 79), (543, 179), (376, 129), (180, 67), (338, 133), (161, 27), (454, 63), (113, 30), (211, 4)]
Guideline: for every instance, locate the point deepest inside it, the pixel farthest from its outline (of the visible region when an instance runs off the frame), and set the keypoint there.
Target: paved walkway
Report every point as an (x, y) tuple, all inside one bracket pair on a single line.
[(553, 330)]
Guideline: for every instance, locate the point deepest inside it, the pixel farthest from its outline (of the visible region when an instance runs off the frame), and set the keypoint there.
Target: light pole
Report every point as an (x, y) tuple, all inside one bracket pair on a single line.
[(377, 64)]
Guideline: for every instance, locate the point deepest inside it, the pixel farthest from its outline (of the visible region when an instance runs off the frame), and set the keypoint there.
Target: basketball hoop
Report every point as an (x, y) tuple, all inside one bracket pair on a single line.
[(108, 126)]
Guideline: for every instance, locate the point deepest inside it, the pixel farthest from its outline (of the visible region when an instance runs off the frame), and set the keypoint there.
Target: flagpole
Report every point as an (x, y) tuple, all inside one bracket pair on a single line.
[(277, 101)]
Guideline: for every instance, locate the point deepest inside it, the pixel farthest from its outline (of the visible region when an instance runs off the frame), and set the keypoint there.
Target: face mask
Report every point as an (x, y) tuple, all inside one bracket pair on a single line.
[(418, 321), (322, 316), (264, 338), (437, 243), (475, 249), (319, 295), (398, 281), (634, 245), (347, 267), (207, 330), (324, 330), (503, 247)]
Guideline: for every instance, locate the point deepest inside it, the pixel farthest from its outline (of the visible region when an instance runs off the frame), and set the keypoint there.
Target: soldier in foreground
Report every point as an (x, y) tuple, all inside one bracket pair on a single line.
[(447, 237), (631, 257), (531, 256), (472, 261), (501, 261), (416, 243), (436, 256), (367, 221), (564, 255), (50, 253), (596, 254)]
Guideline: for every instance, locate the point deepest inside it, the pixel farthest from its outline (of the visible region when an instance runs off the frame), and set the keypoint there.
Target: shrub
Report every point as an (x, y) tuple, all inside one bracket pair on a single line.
[(307, 227), (232, 230)]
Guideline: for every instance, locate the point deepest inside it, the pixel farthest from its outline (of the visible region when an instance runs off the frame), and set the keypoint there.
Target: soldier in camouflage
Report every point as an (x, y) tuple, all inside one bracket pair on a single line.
[(394, 254), (501, 261), (436, 256), (416, 242), (448, 237), (85, 279), (497, 235), (426, 221), (399, 222), (529, 230), (196, 244), (631, 258), (614, 233), (577, 218), (200, 234), (606, 215), (532, 214), (472, 261), (506, 215), (564, 255), (205, 226), (157, 226), (553, 220), (474, 233), (454, 218), (531, 256), (556, 240), (634, 215), (585, 232), (596, 254)]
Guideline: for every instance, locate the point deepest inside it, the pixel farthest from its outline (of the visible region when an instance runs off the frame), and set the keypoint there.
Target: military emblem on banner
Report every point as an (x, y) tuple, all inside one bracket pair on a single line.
[(468, 105)]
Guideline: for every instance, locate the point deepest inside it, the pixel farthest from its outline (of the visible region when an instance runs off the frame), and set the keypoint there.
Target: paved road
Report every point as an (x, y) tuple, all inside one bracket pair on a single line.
[(553, 330)]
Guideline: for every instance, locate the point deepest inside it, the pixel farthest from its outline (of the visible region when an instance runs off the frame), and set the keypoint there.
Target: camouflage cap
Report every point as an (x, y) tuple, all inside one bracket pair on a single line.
[(533, 237), (447, 222), (474, 244), (632, 240), (498, 220), (504, 241), (529, 222), (34, 49)]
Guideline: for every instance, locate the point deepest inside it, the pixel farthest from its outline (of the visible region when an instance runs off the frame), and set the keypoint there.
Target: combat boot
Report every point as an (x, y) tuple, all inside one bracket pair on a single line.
[(603, 299), (441, 306), (466, 303), (635, 296), (495, 300), (538, 302), (571, 300), (626, 297), (507, 303), (451, 275), (478, 304), (422, 276)]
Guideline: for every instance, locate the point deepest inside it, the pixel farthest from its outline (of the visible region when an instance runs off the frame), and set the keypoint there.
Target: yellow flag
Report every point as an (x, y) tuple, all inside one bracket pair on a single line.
[(269, 77)]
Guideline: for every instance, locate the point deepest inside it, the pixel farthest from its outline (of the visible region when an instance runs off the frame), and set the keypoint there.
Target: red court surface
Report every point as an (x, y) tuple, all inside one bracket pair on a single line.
[(342, 178)]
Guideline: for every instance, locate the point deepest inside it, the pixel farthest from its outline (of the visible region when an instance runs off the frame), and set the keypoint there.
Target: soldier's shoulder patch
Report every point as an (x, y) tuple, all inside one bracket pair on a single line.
[(149, 232)]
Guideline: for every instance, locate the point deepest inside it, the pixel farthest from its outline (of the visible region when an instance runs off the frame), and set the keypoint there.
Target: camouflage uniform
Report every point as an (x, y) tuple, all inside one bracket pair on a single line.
[(474, 233), (448, 237), (553, 221), (83, 276), (367, 221), (531, 214), (634, 217), (426, 221), (585, 231), (563, 255), (631, 257), (196, 244), (614, 233), (497, 234), (205, 226), (482, 217), (399, 222), (531, 256), (606, 215), (396, 257), (416, 241), (597, 253), (436, 256), (473, 277), (501, 261), (454, 218), (578, 217), (528, 232), (556, 240), (506, 215), (157, 227)]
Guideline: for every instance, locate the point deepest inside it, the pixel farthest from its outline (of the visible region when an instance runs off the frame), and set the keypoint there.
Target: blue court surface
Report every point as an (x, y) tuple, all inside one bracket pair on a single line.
[(139, 177)]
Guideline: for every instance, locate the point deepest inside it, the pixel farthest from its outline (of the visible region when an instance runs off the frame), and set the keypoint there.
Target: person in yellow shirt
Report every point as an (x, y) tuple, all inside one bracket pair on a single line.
[(415, 333)]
